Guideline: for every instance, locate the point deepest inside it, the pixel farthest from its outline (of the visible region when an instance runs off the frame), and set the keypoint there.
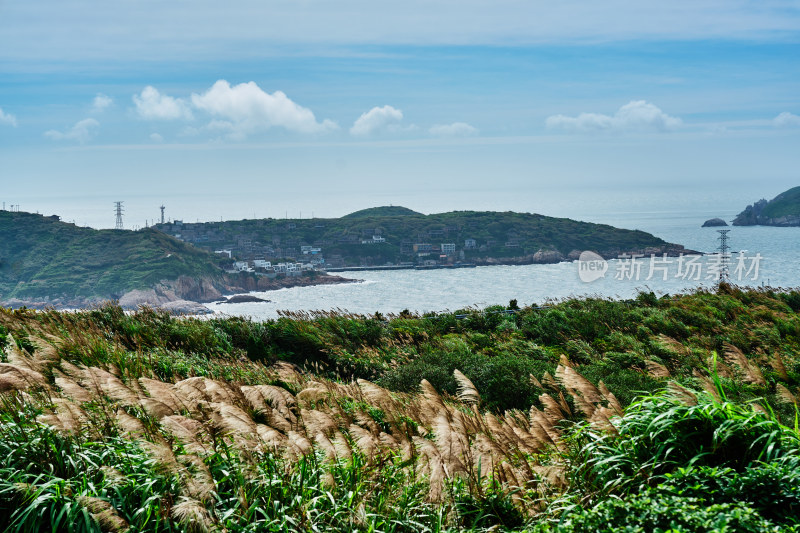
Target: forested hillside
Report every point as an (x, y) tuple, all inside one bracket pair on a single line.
[(42, 257), (396, 234)]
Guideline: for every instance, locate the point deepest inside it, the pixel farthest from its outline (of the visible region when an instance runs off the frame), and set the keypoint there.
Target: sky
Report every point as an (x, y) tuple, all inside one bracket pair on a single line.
[(272, 108)]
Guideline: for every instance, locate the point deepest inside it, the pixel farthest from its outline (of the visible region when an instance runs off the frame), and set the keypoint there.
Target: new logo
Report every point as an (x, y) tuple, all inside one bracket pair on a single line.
[(591, 267)]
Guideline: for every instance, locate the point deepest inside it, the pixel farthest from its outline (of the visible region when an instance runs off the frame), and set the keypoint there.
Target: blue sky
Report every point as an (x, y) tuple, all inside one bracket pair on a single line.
[(259, 108)]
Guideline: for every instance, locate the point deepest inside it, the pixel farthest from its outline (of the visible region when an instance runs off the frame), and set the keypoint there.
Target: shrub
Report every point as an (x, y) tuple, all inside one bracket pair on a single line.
[(251, 337), (653, 512), (297, 341), (788, 327), (502, 380), (792, 299), (485, 321), (660, 434), (492, 509), (660, 321), (772, 489), (547, 327), (626, 382)]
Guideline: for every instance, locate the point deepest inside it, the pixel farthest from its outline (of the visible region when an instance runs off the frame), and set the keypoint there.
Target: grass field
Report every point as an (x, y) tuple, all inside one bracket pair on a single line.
[(655, 414)]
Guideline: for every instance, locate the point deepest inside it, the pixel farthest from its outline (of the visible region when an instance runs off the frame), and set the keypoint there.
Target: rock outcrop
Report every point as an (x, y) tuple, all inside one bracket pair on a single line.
[(186, 307), (714, 222), (185, 294), (244, 298)]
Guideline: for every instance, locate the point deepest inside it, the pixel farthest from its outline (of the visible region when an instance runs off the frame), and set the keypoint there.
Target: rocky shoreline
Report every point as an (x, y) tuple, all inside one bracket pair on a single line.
[(545, 257), (182, 296), (188, 295)]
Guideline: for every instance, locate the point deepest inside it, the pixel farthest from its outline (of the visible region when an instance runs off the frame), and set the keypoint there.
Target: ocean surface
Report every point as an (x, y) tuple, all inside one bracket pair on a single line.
[(761, 256)]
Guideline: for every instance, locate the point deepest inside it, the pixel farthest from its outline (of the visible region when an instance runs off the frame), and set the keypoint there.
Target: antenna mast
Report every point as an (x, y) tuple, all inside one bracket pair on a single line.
[(118, 210), (162, 213)]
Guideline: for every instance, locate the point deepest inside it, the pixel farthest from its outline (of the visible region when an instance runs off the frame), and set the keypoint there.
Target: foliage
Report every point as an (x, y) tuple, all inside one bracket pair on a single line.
[(384, 211), (652, 511), (538, 420), (685, 462), (44, 257), (661, 433), (498, 235), (48, 478)]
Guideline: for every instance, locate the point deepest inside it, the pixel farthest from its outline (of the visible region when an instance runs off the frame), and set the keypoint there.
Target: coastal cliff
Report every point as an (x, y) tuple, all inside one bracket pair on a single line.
[(783, 210)]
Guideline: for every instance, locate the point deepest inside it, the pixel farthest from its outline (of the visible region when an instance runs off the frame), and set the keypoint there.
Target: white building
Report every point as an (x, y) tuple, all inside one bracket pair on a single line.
[(242, 266), (448, 248)]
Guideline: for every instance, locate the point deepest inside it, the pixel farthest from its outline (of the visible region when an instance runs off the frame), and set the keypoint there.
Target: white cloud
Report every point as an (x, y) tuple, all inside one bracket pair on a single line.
[(456, 129), (152, 105), (245, 109), (7, 118), (156, 137), (82, 131), (376, 120), (786, 120), (101, 102), (636, 115)]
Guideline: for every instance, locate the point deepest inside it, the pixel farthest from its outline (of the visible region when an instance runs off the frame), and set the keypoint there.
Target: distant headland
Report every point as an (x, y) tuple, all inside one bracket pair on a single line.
[(396, 237), (47, 262), (783, 210)]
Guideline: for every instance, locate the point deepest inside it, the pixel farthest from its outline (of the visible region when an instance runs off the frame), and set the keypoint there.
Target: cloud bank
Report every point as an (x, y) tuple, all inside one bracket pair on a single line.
[(456, 129), (82, 131), (7, 118), (152, 105), (635, 116), (377, 120), (245, 108)]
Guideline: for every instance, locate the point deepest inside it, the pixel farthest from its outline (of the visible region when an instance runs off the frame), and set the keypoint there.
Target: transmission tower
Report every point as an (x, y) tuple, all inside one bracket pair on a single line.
[(118, 210), (162, 213), (724, 256)]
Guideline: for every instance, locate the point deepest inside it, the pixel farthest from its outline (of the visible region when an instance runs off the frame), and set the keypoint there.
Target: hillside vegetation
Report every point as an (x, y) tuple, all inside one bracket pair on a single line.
[(384, 211), (783, 210), (506, 236), (655, 414), (41, 257)]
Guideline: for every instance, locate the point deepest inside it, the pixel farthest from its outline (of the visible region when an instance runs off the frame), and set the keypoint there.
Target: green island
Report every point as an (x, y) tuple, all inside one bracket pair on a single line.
[(397, 235), (783, 210), (47, 262), (672, 414), (44, 261)]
